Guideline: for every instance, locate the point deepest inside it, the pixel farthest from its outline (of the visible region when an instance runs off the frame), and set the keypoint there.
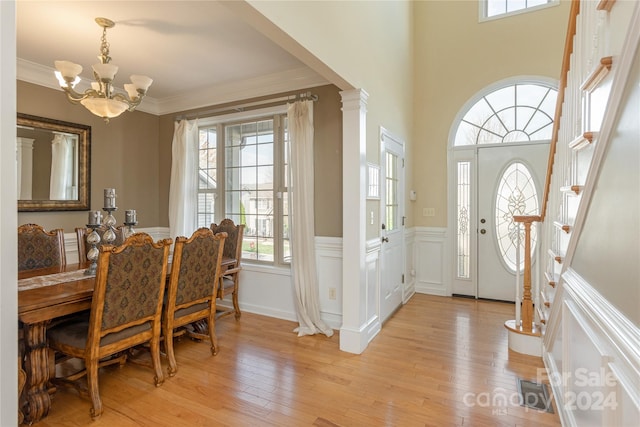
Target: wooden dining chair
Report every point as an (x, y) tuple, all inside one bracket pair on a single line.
[(38, 248), (230, 280), (83, 232), (195, 274), (126, 311)]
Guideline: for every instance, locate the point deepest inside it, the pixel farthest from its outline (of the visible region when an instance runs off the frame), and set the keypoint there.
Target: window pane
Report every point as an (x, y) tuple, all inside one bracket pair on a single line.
[(250, 185), (265, 154), (207, 176), (391, 203), (205, 209), (502, 7), (463, 223), (286, 244), (516, 195)]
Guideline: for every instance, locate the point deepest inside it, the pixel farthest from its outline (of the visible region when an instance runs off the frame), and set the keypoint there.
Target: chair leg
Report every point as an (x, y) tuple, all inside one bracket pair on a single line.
[(234, 298), (236, 306), (92, 385), (168, 345), (155, 357), (212, 332)]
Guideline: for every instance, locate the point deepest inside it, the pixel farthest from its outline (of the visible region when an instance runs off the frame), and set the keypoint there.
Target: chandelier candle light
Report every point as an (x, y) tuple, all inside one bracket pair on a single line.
[(101, 99)]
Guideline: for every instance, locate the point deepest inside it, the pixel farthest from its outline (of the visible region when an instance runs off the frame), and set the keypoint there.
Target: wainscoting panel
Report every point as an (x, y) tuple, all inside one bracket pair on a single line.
[(599, 380), (329, 264), (409, 266), (372, 268), (431, 262)]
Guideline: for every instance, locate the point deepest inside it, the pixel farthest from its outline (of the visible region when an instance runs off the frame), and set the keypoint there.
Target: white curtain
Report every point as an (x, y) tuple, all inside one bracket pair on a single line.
[(61, 167), (301, 220), (183, 197)]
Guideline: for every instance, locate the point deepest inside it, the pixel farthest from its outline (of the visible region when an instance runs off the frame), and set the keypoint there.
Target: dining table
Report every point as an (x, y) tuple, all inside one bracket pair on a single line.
[(45, 295)]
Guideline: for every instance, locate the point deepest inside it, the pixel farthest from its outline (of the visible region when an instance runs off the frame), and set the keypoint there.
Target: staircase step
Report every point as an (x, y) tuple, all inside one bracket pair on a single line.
[(542, 316), (555, 256), (545, 300), (552, 279), (564, 227), (598, 74), (605, 5), (571, 189), (582, 141)]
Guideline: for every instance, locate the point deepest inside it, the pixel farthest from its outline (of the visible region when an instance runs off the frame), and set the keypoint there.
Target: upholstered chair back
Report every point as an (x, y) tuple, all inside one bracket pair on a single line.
[(38, 248)]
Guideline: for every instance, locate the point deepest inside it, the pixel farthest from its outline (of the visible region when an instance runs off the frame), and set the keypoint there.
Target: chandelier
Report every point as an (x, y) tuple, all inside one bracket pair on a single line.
[(101, 99)]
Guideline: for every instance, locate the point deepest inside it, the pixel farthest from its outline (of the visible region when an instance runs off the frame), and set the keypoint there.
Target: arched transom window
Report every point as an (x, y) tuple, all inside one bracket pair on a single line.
[(515, 113)]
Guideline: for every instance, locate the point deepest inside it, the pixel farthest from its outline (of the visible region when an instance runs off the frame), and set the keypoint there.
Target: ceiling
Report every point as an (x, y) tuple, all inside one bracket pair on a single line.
[(198, 53)]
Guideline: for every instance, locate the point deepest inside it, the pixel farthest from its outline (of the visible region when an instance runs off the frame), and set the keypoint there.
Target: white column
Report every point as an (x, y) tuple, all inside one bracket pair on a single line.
[(353, 333), (9, 213), (25, 167)]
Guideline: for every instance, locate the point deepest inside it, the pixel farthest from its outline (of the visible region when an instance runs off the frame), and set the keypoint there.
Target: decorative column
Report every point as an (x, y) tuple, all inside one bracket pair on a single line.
[(353, 333)]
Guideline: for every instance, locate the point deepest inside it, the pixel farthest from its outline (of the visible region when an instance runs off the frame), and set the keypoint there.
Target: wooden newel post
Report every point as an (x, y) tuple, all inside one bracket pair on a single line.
[(527, 302)]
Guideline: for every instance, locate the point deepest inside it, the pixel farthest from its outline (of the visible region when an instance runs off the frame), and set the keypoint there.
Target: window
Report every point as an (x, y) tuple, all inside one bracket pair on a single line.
[(500, 8), (242, 176), (515, 113), (463, 220)]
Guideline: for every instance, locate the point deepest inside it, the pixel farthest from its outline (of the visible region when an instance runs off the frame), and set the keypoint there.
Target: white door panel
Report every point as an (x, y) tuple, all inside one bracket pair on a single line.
[(392, 220), (510, 180)]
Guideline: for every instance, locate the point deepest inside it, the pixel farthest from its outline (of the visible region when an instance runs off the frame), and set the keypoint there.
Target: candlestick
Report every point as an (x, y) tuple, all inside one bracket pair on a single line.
[(109, 222), (93, 239), (109, 198), (130, 216), (95, 217)]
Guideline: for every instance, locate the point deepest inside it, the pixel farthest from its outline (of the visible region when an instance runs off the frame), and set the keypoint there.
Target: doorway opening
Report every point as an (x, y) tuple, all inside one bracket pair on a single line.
[(498, 151)]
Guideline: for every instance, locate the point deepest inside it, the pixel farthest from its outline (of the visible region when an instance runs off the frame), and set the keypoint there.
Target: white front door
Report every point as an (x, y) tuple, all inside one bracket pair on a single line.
[(510, 180), (392, 224)]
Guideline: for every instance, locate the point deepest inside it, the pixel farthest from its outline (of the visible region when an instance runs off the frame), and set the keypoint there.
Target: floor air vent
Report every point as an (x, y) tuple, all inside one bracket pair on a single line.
[(534, 395)]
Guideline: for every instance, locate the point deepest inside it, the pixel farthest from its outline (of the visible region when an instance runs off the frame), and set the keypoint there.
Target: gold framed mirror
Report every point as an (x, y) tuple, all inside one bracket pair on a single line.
[(53, 164)]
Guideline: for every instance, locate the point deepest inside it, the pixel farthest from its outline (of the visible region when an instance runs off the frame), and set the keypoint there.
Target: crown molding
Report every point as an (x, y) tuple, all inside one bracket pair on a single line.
[(289, 80)]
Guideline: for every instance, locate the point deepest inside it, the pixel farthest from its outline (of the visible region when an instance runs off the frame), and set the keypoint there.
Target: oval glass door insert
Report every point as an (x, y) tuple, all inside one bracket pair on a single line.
[(516, 195)]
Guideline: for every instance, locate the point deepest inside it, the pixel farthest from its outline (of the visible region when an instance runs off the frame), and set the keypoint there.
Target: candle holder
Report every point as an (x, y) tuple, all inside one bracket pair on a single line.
[(109, 222), (128, 231), (93, 239)]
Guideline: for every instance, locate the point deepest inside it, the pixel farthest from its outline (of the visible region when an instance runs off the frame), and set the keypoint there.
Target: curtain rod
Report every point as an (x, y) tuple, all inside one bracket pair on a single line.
[(241, 107)]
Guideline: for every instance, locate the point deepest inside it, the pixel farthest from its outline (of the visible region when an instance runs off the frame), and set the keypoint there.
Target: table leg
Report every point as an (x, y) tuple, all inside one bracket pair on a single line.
[(37, 397)]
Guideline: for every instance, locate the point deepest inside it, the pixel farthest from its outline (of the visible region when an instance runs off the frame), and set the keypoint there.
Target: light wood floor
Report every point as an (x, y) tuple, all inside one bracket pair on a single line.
[(437, 362)]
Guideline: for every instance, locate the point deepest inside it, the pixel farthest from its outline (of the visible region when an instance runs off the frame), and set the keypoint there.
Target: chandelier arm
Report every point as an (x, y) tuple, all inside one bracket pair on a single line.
[(132, 103), (75, 97)]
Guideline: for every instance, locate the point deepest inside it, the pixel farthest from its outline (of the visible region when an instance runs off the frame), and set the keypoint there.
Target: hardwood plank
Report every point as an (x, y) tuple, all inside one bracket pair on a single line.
[(437, 362)]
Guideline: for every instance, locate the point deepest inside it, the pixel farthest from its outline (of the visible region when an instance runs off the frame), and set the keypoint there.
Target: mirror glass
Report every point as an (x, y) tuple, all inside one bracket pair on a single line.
[(53, 164)]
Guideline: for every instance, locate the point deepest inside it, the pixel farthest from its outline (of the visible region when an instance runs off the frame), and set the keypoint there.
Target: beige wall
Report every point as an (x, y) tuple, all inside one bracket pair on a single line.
[(124, 155), (132, 154), (456, 57), (367, 45), (327, 154)]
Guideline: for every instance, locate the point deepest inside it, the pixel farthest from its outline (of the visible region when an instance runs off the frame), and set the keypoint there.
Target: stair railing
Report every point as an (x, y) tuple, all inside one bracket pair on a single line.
[(526, 305)]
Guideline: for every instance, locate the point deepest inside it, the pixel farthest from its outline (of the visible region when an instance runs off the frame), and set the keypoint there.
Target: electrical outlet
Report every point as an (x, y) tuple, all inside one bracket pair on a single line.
[(332, 293)]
